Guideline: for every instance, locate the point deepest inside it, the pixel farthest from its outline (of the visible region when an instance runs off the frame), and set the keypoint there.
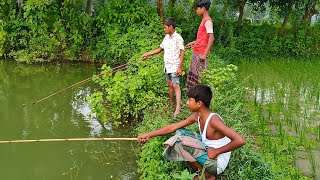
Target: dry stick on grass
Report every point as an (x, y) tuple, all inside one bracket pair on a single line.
[(71, 139)]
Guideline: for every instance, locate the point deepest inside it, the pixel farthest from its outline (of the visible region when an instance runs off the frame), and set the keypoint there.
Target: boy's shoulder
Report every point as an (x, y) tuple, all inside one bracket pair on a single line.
[(178, 36), (216, 117)]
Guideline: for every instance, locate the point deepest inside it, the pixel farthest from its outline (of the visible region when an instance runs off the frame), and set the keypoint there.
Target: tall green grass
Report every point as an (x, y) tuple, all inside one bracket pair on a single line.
[(283, 95)]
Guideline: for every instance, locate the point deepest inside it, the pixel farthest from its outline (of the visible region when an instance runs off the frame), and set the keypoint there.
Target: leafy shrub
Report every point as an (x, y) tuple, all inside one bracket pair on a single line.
[(126, 93), (61, 30), (261, 41)]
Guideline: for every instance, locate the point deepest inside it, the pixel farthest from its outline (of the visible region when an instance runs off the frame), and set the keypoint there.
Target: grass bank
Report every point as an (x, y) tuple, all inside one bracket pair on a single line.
[(229, 101)]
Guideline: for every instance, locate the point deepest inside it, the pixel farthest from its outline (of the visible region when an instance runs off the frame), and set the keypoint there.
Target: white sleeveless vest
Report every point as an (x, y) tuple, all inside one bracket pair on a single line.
[(222, 159)]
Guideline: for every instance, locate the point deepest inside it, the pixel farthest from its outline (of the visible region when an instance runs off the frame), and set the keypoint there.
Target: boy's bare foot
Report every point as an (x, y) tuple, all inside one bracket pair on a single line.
[(177, 111), (196, 177)]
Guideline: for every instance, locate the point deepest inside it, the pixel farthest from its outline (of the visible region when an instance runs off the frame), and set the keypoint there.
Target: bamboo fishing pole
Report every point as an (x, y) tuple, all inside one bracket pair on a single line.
[(71, 139), (113, 70)]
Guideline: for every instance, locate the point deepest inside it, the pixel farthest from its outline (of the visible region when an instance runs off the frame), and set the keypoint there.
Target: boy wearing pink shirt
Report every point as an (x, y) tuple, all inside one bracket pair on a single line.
[(202, 45)]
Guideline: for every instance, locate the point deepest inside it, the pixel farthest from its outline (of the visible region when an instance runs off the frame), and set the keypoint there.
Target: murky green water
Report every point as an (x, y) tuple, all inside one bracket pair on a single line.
[(66, 115)]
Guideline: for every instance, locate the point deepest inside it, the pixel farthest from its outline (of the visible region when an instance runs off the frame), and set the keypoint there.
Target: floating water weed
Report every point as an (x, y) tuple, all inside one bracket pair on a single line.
[(73, 172)]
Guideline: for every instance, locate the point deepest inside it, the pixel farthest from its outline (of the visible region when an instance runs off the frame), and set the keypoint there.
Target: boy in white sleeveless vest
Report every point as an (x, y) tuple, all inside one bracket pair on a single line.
[(212, 148)]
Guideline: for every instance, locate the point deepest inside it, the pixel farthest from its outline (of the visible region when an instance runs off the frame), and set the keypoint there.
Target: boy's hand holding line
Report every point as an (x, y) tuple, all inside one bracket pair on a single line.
[(145, 56), (156, 51), (143, 138)]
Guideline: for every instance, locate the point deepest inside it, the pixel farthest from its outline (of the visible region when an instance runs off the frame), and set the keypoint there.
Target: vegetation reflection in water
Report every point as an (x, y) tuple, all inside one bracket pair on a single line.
[(66, 115), (285, 102)]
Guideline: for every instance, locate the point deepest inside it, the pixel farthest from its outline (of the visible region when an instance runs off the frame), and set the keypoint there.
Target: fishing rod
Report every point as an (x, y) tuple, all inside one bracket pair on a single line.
[(71, 139), (113, 70)]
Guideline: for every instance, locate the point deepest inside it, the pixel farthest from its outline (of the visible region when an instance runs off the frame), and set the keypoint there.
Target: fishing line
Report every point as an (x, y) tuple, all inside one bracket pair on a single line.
[(113, 70)]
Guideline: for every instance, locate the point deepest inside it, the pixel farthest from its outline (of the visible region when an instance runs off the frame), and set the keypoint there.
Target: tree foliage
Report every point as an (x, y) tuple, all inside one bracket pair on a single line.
[(99, 30)]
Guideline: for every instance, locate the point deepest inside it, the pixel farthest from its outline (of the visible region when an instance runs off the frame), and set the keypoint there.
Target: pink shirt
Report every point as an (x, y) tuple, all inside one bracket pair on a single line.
[(202, 38)]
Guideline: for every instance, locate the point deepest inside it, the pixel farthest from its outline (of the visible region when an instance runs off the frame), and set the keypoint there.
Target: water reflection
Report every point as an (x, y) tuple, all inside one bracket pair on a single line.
[(66, 115), (304, 103), (81, 106)]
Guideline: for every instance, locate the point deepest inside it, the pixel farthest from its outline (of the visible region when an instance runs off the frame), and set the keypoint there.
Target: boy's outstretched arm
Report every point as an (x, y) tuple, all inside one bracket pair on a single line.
[(150, 53), (168, 129), (236, 140)]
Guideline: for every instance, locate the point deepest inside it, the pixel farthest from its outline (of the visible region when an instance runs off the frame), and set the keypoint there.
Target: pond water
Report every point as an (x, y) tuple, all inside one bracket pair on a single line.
[(65, 115)]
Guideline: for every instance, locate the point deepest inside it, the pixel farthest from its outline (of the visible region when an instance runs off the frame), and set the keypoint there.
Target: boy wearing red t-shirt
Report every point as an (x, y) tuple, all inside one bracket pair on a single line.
[(202, 45)]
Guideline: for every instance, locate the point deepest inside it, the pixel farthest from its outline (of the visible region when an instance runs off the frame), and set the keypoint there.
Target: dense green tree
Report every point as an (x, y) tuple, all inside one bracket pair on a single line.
[(286, 8)]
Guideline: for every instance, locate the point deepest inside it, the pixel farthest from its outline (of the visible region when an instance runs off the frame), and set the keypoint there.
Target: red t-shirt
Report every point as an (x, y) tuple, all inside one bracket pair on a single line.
[(202, 38)]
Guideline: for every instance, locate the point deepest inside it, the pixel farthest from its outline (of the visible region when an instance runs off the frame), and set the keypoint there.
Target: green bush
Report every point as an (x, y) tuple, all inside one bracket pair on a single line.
[(126, 94), (61, 30), (262, 41)]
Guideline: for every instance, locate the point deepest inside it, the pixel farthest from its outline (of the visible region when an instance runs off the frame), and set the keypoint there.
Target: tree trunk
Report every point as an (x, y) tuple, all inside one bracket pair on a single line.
[(172, 3), (285, 21), (224, 9), (19, 7), (310, 10), (241, 5), (160, 10), (20, 2), (88, 7)]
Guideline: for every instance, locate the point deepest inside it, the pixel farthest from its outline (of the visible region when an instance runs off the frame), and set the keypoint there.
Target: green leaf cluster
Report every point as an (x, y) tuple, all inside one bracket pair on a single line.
[(125, 94), (61, 30)]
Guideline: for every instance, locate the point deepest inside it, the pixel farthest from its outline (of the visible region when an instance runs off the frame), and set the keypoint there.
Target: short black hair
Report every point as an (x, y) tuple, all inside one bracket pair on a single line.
[(170, 22), (204, 3), (201, 92)]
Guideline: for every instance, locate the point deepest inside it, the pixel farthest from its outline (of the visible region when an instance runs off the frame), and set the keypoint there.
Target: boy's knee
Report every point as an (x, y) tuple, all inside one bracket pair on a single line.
[(176, 86)]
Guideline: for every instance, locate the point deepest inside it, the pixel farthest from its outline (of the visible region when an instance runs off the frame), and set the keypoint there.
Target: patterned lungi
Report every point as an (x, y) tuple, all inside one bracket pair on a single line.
[(195, 69), (186, 145)]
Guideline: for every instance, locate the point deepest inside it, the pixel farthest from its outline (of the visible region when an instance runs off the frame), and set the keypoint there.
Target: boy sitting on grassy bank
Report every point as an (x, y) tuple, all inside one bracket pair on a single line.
[(211, 149), (173, 47)]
